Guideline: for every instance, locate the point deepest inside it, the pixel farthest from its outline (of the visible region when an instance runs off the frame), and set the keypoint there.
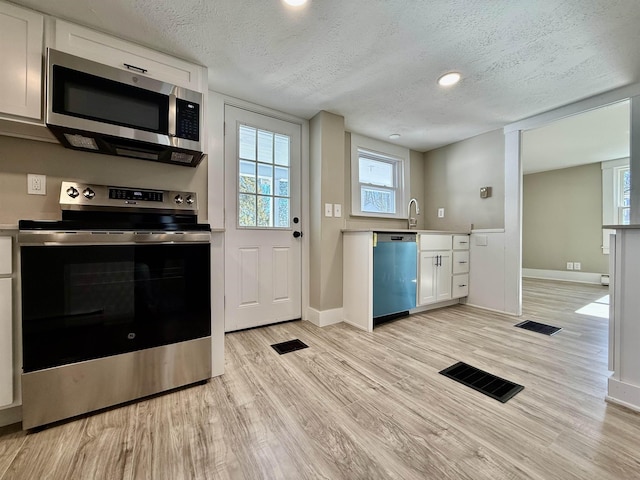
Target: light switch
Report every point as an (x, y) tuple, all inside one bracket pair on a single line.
[(441, 212), (337, 210), (328, 210)]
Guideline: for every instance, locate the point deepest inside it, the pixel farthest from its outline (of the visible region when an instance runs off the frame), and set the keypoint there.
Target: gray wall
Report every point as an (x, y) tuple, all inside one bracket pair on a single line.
[(18, 157), (562, 219), (326, 172), (453, 176)]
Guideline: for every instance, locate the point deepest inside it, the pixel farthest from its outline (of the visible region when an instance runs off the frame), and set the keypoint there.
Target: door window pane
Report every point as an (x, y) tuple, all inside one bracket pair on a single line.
[(281, 217), (265, 179), (265, 211), (247, 142), (247, 210), (281, 153), (282, 182), (265, 146), (247, 180), (263, 190)]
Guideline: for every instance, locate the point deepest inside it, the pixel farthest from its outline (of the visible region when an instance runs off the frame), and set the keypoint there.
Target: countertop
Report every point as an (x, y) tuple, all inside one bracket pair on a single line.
[(621, 227), (403, 230)]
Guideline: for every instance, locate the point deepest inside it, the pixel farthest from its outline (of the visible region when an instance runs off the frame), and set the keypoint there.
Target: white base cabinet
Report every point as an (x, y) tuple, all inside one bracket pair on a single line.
[(443, 268), (435, 277)]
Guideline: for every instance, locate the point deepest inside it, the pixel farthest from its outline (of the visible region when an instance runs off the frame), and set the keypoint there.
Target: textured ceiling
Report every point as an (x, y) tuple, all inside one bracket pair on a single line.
[(376, 61), (590, 137)]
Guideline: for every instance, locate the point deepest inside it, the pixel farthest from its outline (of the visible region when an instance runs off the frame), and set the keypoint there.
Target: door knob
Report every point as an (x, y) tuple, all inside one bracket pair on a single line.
[(297, 234)]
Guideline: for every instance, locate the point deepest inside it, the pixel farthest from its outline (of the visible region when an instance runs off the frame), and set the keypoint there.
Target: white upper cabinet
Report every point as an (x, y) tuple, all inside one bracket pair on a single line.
[(108, 50), (20, 62)]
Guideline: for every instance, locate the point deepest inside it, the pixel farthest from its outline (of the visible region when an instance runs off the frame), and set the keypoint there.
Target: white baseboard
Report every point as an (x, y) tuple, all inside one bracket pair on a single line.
[(433, 306), (325, 317), (562, 275), (11, 415), (623, 394), (490, 309)]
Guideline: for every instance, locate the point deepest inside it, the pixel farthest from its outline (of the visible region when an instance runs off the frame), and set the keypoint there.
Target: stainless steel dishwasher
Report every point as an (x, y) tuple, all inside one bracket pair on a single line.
[(394, 275)]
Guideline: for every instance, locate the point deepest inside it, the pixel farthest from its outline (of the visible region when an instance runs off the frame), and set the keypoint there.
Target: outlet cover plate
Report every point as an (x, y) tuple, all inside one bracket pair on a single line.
[(36, 184)]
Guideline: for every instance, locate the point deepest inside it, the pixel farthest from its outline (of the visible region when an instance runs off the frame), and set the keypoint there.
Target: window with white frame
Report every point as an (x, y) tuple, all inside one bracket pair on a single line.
[(623, 194), (379, 178), (616, 189)]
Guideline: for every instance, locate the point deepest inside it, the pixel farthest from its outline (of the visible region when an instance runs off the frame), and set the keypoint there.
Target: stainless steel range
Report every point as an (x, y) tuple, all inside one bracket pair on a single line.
[(116, 300)]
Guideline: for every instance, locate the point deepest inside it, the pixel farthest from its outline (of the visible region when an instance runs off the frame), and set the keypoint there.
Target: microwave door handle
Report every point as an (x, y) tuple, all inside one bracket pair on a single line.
[(172, 114)]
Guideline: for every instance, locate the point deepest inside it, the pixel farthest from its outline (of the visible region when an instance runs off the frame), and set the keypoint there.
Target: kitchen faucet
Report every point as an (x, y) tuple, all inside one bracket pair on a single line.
[(413, 223)]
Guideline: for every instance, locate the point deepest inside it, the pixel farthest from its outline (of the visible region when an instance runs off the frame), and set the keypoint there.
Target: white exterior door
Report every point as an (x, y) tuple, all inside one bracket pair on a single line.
[(263, 265)]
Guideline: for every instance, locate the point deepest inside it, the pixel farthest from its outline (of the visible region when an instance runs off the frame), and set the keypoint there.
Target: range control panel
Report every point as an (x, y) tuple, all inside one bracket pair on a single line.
[(79, 196)]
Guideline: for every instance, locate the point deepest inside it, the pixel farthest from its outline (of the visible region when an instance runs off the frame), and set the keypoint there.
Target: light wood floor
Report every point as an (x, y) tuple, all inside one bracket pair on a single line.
[(369, 406)]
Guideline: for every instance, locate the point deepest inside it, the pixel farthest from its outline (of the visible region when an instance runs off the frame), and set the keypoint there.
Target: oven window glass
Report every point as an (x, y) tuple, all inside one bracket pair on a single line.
[(87, 96), (86, 302)]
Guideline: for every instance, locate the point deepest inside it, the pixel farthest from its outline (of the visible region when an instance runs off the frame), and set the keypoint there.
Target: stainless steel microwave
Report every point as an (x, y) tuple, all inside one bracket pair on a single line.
[(102, 109)]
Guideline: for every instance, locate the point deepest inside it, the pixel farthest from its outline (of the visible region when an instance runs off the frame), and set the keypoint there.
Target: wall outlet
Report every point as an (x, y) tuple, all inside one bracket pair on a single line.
[(337, 210), (36, 184), (328, 210), (569, 265), (577, 265), (441, 212)]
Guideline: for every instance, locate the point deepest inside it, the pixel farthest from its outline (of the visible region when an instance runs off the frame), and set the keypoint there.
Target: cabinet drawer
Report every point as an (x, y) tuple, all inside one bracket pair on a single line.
[(435, 242), (460, 287), (460, 262), (461, 242), (112, 51)]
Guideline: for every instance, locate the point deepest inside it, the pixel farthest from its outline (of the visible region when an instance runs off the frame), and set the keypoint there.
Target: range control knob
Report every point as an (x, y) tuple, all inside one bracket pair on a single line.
[(190, 200), (88, 193), (178, 198), (73, 192)]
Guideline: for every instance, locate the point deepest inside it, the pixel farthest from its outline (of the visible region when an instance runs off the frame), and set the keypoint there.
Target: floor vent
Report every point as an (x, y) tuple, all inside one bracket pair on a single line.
[(538, 327), (290, 346), (492, 386)]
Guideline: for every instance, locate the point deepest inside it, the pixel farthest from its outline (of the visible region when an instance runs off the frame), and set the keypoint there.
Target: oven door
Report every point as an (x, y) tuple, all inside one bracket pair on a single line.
[(83, 301)]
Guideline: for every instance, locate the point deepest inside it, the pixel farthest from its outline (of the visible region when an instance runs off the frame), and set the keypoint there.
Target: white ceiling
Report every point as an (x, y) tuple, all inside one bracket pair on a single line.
[(376, 61), (590, 137)]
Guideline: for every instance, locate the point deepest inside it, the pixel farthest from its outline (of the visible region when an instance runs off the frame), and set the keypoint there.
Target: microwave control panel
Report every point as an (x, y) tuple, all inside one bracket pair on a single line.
[(187, 120)]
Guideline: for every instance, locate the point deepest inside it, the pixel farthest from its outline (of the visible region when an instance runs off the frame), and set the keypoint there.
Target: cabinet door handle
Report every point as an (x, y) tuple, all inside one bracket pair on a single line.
[(462, 261), (463, 285), (133, 67)]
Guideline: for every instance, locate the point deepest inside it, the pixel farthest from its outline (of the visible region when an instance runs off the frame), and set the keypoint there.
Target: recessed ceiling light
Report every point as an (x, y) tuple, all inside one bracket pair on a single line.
[(295, 3), (394, 136), (449, 79)]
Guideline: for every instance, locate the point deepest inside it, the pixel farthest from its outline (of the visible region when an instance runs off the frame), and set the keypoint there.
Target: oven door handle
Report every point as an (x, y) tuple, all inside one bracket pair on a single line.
[(49, 238)]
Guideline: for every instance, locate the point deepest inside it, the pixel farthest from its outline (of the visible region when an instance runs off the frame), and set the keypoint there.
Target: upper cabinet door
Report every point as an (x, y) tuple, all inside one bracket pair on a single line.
[(20, 62), (115, 52)]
